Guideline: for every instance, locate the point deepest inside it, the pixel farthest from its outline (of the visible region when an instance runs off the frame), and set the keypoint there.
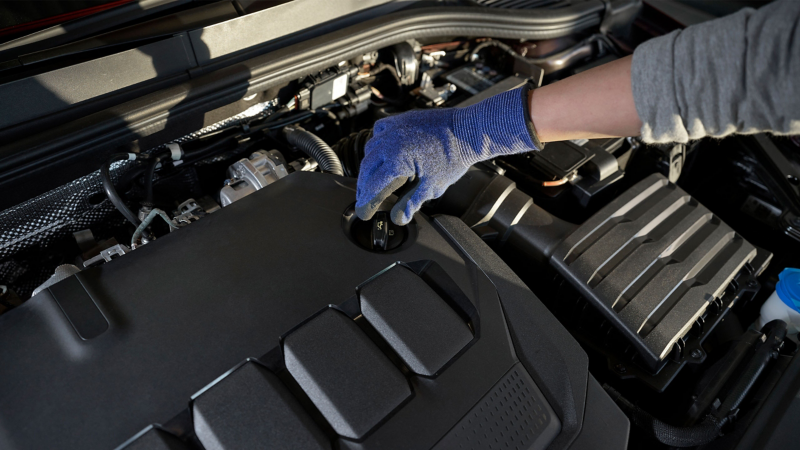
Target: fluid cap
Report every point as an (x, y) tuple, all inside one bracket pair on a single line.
[(788, 288)]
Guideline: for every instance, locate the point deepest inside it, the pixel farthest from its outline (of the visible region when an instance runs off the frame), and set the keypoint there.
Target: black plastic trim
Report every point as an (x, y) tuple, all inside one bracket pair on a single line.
[(560, 371)]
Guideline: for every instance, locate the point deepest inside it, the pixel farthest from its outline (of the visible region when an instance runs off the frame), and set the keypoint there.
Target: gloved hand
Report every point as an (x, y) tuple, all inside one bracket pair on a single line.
[(433, 148)]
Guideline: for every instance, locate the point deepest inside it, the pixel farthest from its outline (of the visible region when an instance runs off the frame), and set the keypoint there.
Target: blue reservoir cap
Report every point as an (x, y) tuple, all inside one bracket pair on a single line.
[(788, 288)]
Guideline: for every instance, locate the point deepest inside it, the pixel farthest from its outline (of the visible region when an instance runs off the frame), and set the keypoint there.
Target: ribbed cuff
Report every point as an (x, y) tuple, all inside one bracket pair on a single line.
[(526, 105), (499, 125)]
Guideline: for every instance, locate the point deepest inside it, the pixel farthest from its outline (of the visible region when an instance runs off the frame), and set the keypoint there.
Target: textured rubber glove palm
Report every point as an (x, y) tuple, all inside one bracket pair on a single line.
[(433, 148)]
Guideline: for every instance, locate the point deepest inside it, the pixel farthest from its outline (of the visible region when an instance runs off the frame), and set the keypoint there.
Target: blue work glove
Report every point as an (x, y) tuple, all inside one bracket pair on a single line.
[(433, 148)]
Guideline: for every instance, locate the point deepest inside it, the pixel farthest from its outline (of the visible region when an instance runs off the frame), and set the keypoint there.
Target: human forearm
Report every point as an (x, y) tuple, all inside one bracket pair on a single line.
[(736, 74), (593, 104)]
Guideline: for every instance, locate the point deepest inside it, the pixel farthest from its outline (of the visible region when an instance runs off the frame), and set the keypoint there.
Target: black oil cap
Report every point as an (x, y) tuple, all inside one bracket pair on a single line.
[(381, 231), (378, 234)]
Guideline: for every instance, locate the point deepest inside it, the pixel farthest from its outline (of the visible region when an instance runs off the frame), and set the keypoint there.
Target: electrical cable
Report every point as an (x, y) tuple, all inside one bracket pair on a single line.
[(148, 182), (111, 191), (386, 68), (505, 47), (146, 223), (272, 122)]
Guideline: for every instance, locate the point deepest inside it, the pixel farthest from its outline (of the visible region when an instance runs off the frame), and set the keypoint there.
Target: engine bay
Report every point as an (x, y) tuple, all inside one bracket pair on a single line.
[(594, 282)]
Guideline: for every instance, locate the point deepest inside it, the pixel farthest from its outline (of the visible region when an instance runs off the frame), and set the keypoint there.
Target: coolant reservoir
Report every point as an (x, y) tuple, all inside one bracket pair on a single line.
[(784, 303)]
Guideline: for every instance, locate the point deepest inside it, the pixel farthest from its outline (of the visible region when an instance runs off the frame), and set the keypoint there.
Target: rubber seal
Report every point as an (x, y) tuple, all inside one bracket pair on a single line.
[(788, 288)]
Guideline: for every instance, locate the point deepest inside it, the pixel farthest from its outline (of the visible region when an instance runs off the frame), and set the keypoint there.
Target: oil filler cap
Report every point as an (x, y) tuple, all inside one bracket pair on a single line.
[(378, 234), (381, 231)]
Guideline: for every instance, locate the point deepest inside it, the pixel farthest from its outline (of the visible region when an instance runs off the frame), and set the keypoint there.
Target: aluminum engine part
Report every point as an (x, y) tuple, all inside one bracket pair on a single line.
[(106, 256), (188, 212), (63, 271), (251, 174)]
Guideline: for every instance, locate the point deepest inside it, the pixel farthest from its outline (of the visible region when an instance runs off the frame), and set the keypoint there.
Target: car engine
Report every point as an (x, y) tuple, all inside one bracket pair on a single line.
[(217, 290)]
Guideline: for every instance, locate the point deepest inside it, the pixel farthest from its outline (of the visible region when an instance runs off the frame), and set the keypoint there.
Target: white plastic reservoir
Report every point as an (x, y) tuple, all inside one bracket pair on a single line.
[(784, 303)]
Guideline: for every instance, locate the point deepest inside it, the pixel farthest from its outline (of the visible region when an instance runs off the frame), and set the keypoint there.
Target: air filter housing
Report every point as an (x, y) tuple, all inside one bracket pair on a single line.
[(652, 261)]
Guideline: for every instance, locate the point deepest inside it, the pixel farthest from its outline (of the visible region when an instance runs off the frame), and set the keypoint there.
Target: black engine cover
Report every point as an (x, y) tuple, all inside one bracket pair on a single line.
[(152, 337)]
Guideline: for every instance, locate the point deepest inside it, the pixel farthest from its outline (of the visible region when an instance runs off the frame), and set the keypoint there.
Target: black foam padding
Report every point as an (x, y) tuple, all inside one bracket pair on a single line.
[(155, 439), (652, 260), (251, 408), (418, 324), (514, 414), (352, 383)]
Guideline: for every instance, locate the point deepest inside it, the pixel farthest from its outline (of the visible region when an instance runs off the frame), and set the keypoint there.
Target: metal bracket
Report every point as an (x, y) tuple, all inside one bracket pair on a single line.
[(107, 255)]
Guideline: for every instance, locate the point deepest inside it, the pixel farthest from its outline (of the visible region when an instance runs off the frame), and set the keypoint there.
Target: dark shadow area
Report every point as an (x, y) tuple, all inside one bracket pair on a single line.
[(54, 30), (33, 14)]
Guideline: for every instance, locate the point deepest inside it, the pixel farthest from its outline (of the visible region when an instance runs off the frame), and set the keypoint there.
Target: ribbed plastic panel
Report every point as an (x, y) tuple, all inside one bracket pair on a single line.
[(652, 261)]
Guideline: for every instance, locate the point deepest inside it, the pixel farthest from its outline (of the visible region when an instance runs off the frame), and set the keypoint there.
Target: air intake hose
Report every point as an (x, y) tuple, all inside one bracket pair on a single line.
[(351, 151), (316, 148)]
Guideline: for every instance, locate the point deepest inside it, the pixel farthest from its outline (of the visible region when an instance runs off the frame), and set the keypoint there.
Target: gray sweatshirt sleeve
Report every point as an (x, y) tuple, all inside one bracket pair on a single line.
[(735, 74)]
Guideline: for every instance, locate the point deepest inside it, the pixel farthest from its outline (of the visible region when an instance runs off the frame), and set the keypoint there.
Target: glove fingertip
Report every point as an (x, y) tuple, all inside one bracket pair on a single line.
[(365, 212), (372, 198), (398, 214)]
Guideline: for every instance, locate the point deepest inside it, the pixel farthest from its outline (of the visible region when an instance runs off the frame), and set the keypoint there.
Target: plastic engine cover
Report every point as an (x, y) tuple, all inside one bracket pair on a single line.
[(264, 325)]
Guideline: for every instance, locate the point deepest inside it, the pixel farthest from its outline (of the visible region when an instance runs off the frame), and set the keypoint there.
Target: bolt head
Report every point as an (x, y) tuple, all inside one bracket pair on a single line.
[(696, 354)]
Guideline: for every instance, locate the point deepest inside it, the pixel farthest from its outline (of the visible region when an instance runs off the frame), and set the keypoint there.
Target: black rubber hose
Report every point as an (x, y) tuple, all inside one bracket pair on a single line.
[(126, 181), (148, 181), (665, 433), (111, 191), (720, 373), (350, 150), (316, 148), (774, 333)]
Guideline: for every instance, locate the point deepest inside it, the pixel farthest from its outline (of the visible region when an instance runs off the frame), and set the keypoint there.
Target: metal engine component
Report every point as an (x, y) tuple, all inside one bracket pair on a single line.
[(304, 165), (105, 256), (188, 212), (251, 174), (63, 271), (405, 62)]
